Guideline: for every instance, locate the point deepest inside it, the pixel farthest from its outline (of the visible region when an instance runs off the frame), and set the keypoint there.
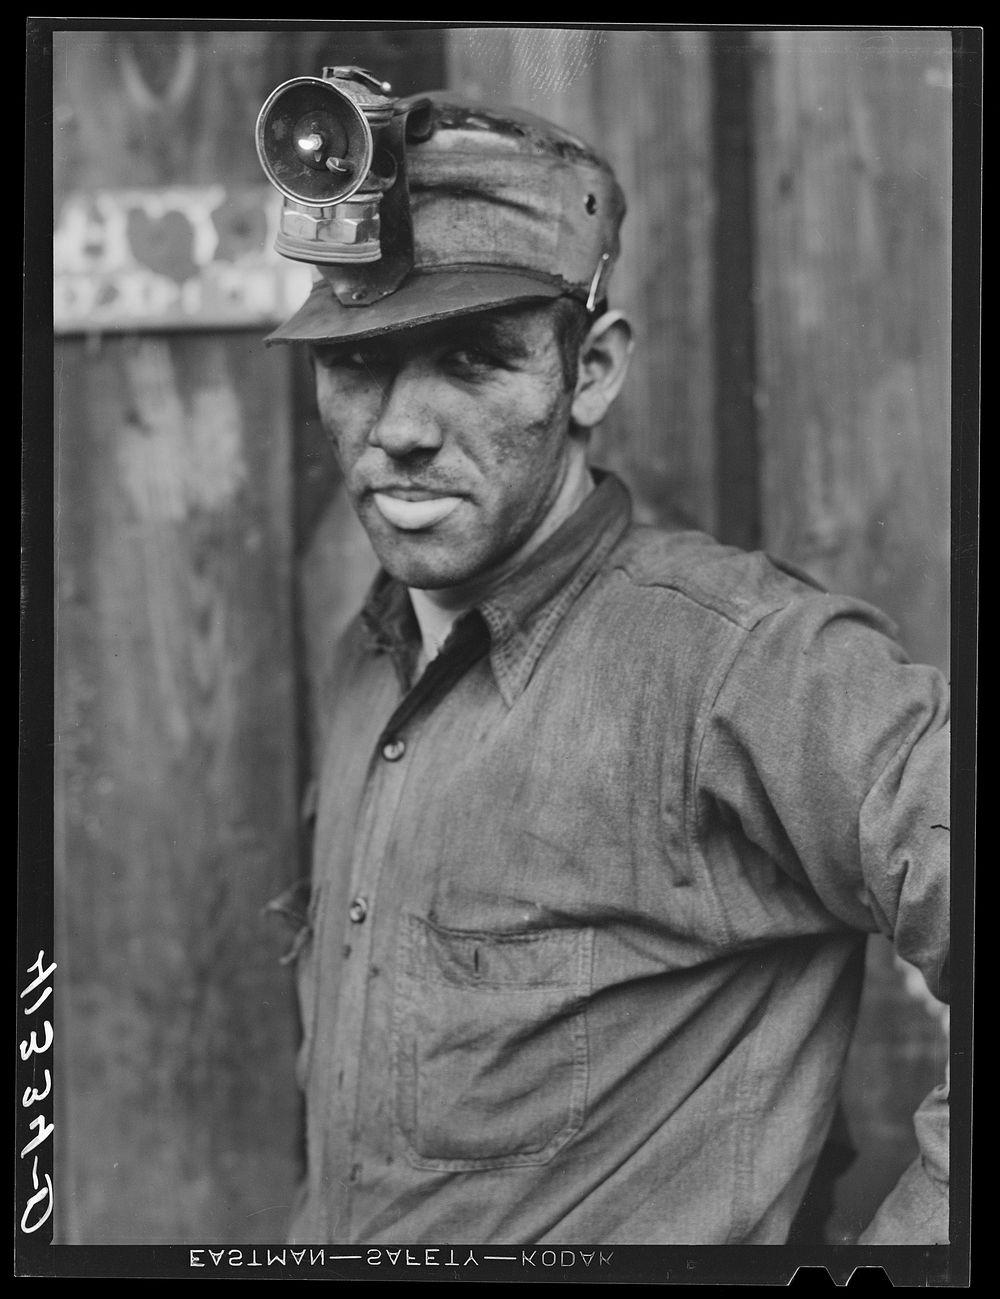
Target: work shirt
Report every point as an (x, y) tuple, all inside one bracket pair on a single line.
[(585, 937)]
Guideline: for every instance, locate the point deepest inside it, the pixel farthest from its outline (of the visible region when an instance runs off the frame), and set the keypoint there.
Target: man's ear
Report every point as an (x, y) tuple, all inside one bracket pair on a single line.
[(604, 358)]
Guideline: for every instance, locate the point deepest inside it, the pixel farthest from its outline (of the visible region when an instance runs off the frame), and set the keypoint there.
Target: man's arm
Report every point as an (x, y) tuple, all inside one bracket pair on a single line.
[(904, 843), (834, 752)]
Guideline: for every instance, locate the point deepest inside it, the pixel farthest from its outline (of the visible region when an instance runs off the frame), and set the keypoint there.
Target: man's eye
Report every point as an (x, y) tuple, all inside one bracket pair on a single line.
[(361, 360), (334, 358), (323, 356), (471, 359)]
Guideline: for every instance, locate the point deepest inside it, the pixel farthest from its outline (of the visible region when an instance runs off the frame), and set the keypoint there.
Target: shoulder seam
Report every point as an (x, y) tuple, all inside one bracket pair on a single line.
[(729, 612)]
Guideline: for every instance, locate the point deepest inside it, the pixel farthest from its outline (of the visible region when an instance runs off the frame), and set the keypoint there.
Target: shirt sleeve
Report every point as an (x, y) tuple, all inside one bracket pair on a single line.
[(833, 752)]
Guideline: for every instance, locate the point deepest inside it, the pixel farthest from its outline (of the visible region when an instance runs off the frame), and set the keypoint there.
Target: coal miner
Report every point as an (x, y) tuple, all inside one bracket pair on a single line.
[(606, 812)]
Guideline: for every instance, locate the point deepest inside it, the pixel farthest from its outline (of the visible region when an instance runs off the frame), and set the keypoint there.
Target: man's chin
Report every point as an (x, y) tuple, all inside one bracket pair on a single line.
[(428, 577), (423, 561)]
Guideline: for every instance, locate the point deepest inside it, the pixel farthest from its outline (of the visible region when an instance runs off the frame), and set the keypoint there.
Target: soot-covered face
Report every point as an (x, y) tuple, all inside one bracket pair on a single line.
[(453, 439)]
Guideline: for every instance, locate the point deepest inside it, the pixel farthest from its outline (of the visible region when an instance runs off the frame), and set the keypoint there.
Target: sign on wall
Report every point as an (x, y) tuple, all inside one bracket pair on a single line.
[(191, 257)]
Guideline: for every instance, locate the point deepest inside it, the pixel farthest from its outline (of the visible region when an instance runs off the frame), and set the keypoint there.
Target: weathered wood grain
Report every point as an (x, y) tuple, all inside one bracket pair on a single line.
[(176, 703), (176, 761), (853, 167)]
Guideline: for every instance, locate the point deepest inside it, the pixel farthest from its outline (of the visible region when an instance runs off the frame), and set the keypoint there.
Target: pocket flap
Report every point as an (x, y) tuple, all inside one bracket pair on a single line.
[(489, 960)]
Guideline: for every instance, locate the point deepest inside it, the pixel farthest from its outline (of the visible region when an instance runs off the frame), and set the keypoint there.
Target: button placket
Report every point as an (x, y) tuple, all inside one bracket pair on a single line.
[(363, 1004)]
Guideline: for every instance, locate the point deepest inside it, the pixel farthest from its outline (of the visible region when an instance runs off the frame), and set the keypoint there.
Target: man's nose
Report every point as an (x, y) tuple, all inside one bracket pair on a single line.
[(408, 420)]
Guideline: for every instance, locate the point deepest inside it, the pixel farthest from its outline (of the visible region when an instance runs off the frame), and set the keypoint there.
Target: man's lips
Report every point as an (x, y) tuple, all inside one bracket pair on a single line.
[(414, 508)]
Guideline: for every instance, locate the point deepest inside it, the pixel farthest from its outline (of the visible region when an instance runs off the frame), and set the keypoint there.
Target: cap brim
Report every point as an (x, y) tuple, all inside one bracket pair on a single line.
[(425, 297)]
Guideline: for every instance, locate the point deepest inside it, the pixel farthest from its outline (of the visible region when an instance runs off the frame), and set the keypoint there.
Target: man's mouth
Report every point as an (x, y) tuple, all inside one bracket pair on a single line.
[(411, 508)]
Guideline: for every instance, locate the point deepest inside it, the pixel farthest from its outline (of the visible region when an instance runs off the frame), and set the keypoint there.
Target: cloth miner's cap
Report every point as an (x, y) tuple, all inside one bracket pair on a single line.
[(506, 208)]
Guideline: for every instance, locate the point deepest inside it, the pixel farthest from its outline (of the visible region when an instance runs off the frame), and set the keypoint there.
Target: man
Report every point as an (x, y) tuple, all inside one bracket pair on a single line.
[(605, 812)]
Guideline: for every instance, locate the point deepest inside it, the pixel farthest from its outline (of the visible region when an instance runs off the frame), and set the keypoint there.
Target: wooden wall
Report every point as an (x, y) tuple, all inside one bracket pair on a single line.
[(786, 263), (176, 773), (852, 285)]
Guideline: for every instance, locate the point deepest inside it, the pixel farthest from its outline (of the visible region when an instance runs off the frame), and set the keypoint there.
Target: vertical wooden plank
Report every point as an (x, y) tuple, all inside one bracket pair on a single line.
[(737, 458), (644, 100), (853, 197), (176, 754), (853, 167), (176, 765)]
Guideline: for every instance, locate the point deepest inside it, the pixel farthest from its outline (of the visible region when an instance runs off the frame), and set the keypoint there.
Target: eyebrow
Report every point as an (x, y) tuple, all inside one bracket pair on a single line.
[(496, 333), (502, 335), (331, 353)]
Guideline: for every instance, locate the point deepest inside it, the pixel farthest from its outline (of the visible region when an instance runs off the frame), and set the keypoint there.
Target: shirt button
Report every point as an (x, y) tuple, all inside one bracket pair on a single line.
[(358, 910), (393, 750)]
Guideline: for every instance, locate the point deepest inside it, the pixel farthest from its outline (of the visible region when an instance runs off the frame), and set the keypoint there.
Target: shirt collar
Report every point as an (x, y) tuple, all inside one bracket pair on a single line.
[(523, 615)]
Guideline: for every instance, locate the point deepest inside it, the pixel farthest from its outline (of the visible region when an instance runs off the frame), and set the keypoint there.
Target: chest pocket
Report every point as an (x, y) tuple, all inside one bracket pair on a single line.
[(490, 1044)]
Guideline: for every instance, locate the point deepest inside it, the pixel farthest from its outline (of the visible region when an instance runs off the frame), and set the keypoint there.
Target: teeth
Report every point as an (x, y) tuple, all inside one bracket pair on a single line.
[(413, 515)]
